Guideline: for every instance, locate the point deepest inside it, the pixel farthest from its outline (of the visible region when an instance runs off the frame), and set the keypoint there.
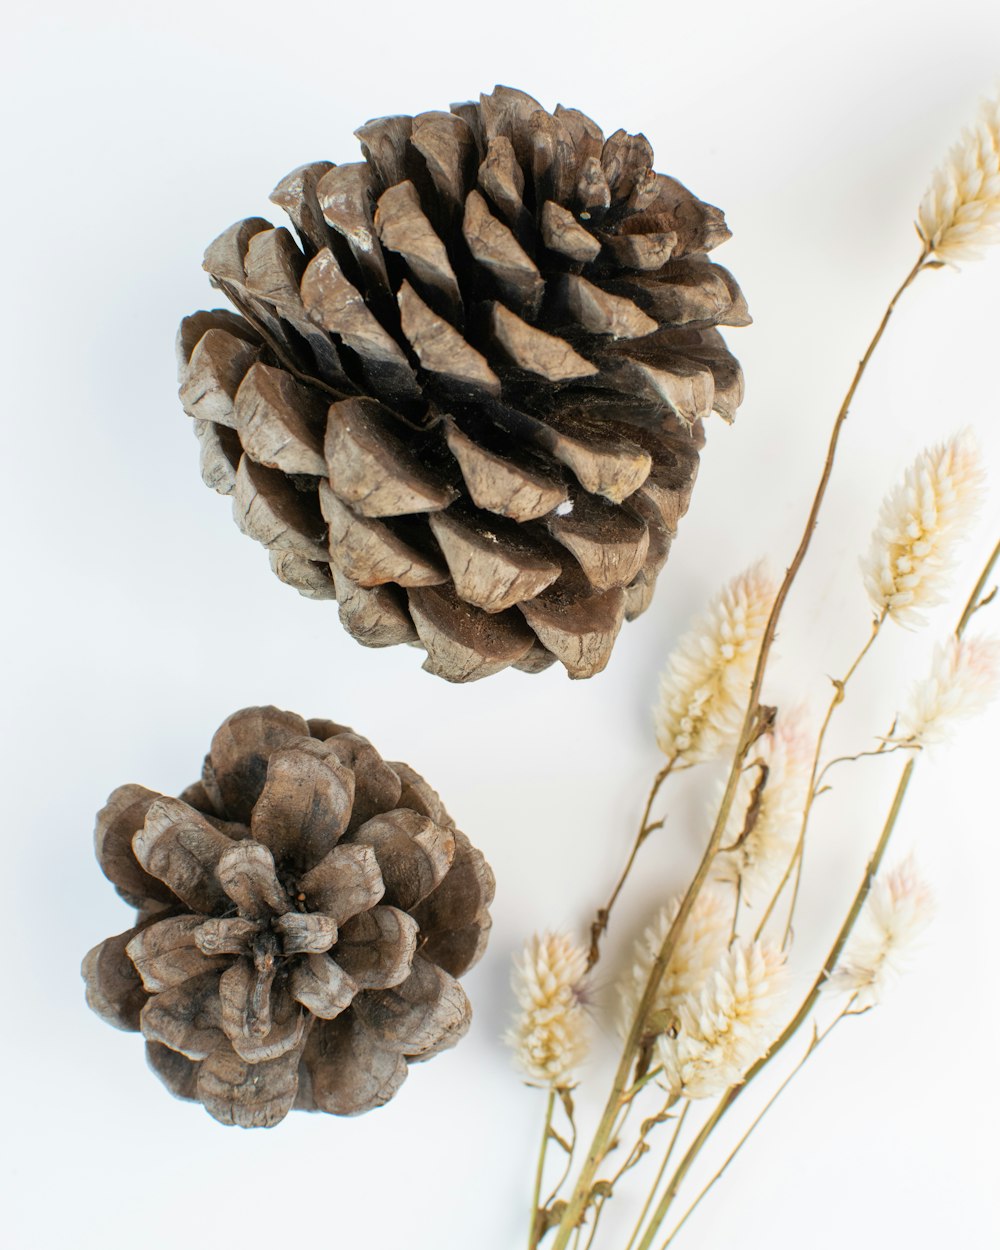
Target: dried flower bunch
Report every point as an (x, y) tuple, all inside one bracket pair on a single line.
[(549, 1034), (467, 403), (960, 214), (703, 688), (896, 913), (304, 912), (704, 1004), (919, 526), (964, 679)]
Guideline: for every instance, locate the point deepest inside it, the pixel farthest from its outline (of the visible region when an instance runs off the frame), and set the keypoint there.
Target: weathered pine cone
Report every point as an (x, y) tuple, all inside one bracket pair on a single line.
[(303, 914), (468, 403)]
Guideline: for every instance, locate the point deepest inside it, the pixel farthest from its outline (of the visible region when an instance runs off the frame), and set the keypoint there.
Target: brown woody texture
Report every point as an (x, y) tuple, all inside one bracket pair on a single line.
[(465, 398), (304, 912)]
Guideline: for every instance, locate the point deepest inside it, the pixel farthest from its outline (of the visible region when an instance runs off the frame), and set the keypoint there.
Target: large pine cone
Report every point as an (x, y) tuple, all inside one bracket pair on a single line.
[(468, 403), (303, 914)]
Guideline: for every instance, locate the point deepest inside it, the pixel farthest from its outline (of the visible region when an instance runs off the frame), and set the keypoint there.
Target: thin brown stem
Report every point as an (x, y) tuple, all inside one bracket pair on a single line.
[(736, 910), (664, 1164), (600, 923), (577, 1204), (632, 1158), (795, 862), (887, 747), (598, 1212), (977, 600), (840, 692), (535, 1230)]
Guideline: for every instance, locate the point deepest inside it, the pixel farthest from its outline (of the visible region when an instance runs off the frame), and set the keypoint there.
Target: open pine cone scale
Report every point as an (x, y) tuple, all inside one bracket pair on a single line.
[(467, 403), (304, 914)]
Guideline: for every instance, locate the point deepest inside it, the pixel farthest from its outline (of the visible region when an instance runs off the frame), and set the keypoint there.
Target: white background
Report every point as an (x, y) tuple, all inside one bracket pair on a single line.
[(137, 616)]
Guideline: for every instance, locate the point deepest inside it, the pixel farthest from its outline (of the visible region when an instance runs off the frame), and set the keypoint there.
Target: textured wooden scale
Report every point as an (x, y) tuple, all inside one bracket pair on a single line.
[(304, 913), (467, 401)]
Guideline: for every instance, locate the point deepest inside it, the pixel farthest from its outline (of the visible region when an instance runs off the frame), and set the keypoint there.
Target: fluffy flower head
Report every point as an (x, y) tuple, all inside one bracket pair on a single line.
[(964, 679), (897, 912), (763, 854), (960, 213), (702, 943), (704, 687), (549, 1032), (723, 1029), (920, 523)]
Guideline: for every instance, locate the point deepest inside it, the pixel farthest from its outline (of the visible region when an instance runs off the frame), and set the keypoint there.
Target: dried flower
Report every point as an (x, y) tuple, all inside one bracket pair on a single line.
[(897, 911), (960, 214), (701, 944), (919, 525), (549, 1033), (763, 854), (964, 679), (704, 688), (721, 1030)]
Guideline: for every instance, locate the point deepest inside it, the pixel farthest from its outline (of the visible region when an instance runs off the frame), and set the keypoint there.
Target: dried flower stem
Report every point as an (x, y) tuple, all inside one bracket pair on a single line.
[(646, 827), (536, 1226), (977, 599), (798, 855), (581, 1196), (665, 1163), (884, 748)]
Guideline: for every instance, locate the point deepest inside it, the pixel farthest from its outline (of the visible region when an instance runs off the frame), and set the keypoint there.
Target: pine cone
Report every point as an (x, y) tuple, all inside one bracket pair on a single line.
[(303, 914), (468, 403)]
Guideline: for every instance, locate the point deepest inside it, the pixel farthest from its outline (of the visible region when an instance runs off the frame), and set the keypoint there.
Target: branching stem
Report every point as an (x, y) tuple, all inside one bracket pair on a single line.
[(664, 1164), (798, 854), (600, 924)]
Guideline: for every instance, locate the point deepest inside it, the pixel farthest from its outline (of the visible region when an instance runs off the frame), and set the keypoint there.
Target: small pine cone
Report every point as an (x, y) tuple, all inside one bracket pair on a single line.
[(468, 402), (303, 913)]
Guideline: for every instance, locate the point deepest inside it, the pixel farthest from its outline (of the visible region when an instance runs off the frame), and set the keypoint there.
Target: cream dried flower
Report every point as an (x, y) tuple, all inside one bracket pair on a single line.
[(702, 942), (757, 861), (723, 1029), (920, 523), (960, 214), (549, 1032), (896, 913), (704, 688), (963, 681)]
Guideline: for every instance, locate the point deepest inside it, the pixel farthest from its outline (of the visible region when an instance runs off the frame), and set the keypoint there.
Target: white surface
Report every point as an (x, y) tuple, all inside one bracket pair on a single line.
[(137, 616)]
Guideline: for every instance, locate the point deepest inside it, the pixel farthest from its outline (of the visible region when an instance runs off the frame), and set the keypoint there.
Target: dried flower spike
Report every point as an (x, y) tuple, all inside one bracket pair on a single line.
[(702, 942), (920, 524), (960, 214), (721, 1030), (762, 852), (964, 679), (704, 687), (304, 912), (467, 400), (898, 910), (549, 1032)]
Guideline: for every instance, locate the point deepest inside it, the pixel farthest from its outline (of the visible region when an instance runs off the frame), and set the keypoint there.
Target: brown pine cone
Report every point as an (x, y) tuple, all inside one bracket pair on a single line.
[(303, 914), (468, 402)]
